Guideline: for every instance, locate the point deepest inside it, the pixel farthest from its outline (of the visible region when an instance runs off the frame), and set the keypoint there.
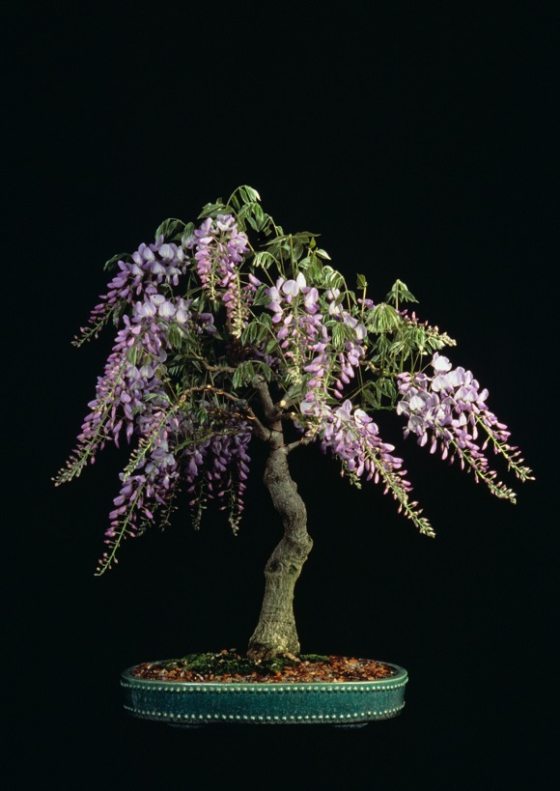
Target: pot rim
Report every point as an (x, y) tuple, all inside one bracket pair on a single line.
[(401, 677)]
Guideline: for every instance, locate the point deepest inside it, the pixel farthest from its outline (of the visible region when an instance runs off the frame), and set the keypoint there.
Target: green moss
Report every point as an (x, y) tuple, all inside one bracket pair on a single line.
[(229, 661), (315, 658)]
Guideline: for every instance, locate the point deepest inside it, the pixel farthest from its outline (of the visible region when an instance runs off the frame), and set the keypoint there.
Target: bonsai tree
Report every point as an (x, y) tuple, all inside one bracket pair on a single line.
[(233, 331)]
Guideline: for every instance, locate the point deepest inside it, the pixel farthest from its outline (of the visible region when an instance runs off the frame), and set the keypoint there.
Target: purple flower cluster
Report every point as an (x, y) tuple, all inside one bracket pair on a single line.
[(130, 395), (302, 335), (151, 265), (354, 350), (217, 467), (307, 343), (448, 410), (352, 435), (150, 486), (156, 305), (219, 249), (123, 389)]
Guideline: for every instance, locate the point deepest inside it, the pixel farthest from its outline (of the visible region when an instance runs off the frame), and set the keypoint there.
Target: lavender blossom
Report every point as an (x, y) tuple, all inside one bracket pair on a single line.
[(353, 437), (219, 249), (301, 332), (217, 467), (306, 340), (448, 410), (123, 390), (354, 351), (151, 265), (149, 487)]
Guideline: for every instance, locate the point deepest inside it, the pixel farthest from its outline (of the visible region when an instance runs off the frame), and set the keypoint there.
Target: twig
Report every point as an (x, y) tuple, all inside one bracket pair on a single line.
[(261, 430), (296, 443)]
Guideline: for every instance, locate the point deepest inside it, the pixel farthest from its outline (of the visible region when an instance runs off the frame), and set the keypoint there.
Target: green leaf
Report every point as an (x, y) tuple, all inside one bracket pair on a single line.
[(421, 340), (259, 214), (252, 222), (265, 327), (110, 264), (278, 246), (264, 369), (387, 387), (370, 396), (175, 336), (296, 249), (170, 228), (212, 209), (118, 312), (132, 355), (253, 214), (361, 282), (249, 334), (261, 297), (340, 334), (252, 193), (332, 278), (379, 394), (383, 318), (151, 396), (294, 392), (187, 233), (314, 270), (263, 259), (244, 374), (248, 194), (399, 293), (323, 254)]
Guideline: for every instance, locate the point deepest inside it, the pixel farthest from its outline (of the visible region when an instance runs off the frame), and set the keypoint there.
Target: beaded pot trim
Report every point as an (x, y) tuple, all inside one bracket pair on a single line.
[(196, 703), (358, 716)]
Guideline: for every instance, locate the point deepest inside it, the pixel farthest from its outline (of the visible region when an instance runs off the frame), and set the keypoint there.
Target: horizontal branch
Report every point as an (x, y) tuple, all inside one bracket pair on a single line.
[(296, 444), (217, 369)]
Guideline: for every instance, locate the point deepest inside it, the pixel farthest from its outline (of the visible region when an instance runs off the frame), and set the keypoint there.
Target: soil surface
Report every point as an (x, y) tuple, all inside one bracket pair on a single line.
[(228, 666)]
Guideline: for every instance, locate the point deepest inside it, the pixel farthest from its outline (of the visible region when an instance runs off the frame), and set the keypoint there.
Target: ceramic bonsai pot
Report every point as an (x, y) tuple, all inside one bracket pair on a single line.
[(191, 704)]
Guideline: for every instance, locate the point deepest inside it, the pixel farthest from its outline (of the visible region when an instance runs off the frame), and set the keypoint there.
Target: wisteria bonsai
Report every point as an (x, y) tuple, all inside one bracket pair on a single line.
[(231, 331)]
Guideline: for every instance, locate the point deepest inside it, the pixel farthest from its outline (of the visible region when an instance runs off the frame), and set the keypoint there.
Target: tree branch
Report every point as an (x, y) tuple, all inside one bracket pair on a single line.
[(261, 430), (296, 443), (216, 369), (271, 411)]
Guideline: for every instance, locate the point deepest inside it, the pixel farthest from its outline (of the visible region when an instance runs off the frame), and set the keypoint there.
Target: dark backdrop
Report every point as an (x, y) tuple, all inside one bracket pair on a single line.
[(420, 144)]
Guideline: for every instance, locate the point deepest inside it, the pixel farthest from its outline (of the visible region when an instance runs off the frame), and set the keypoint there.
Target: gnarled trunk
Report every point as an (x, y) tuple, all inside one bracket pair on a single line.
[(276, 633)]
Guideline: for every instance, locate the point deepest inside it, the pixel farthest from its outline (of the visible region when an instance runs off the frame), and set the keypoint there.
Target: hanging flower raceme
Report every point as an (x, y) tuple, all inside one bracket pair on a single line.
[(123, 390), (448, 411), (148, 483), (300, 330), (219, 250), (354, 349), (152, 265), (353, 437), (217, 467)]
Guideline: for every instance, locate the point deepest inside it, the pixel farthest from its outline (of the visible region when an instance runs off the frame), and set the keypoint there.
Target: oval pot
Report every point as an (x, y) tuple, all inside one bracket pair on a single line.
[(188, 704)]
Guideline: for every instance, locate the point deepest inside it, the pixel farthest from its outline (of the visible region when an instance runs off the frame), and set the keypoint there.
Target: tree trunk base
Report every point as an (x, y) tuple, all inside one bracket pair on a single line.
[(275, 634), (264, 653)]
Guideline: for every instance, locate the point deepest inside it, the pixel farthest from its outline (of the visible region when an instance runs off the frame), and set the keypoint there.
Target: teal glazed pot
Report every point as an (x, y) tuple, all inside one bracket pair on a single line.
[(191, 704)]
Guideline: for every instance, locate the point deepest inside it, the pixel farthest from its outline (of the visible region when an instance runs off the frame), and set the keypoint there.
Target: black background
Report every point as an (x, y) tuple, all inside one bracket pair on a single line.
[(421, 145)]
